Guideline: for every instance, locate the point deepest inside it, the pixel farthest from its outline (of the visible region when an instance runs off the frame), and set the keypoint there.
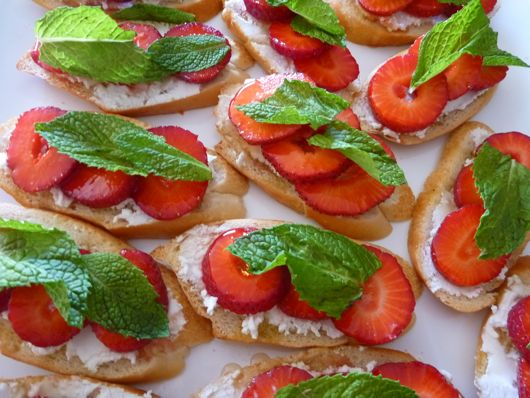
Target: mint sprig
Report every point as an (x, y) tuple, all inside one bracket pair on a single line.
[(328, 270), (113, 143), (155, 13)]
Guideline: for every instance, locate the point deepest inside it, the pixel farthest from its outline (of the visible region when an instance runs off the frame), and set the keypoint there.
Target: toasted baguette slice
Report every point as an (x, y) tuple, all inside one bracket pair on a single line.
[(438, 188), (203, 9), (495, 348), (374, 224), (223, 200), (235, 380), (160, 359), (171, 95), (184, 255), (58, 386)]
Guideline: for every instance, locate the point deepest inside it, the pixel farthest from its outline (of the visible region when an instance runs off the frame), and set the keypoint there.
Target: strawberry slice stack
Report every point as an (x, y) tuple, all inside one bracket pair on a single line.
[(416, 8)]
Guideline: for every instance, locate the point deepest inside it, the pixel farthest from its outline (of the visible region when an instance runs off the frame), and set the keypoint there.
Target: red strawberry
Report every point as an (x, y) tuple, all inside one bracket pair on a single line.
[(519, 326), (35, 318), (393, 104), (293, 305), (196, 28), (258, 90), (35, 166), (349, 194), (523, 378), (226, 277), (289, 43), (515, 144), (384, 7), (165, 199), (265, 385), (414, 49), (35, 56), (98, 188), (145, 34), (489, 76), (333, 70), (347, 116), (465, 190), (488, 6), (263, 11), (425, 379), (455, 252), (296, 160), (385, 308), (5, 294), (116, 342), (462, 74), (425, 8)]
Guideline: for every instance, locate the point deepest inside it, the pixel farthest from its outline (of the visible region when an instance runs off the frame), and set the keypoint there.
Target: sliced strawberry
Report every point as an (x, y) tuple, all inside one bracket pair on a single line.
[(523, 378), (425, 8), (262, 10), (5, 294), (384, 7), (35, 318), (347, 116), (35, 166), (116, 342), (196, 28), (465, 190), (289, 43), (425, 379), (489, 76), (35, 56), (385, 307), (519, 326), (98, 188), (145, 34), (293, 305), (265, 385), (515, 144), (462, 74), (397, 108), (455, 252), (256, 91), (226, 277), (488, 6), (332, 70), (414, 49), (165, 199), (349, 194), (296, 160)]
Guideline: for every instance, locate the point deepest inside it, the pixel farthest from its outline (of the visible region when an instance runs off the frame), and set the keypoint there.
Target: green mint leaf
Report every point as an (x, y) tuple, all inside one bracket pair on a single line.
[(466, 31), (122, 299), (297, 102), (188, 53), (528, 346), (328, 270), (456, 2), (151, 12), (112, 143), (85, 41), (504, 185), (361, 385), (304, 27), (364, 150)]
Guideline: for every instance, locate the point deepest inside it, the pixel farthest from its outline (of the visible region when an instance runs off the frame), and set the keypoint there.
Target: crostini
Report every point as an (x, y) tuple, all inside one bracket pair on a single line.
[(463, 263), (90, 166), (136, 70), (288, 305), (66, 310)]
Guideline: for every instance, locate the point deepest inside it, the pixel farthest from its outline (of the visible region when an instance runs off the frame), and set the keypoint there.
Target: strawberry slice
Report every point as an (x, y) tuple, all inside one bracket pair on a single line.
[(333, 70), (196, 28), (256, 91), (414, 49), (265, 385), (293, 305), (465, 190), (262, 10), (347, 116), (488, 6), (115, 341), (35, 166), (226, 277), (35, 318), (523, 378), (296, 160), (5, 294), (515, 144), (289, 43), (489, 76), (385, 308), (462, 75), (98, 188), (395, 107), (425, 379), (384, 7), (145, 34), (519, 326), (425, 8), (351, 193), (455, 252), (165, 199)]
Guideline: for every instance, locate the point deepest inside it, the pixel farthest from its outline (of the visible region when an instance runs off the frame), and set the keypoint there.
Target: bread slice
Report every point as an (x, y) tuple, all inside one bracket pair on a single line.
[(319, 361), (438, 185), (160, 359), (374, 224), (223, 200), (171, 95), (203, 9), (494, 339), (184, 255), (59, 386)]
